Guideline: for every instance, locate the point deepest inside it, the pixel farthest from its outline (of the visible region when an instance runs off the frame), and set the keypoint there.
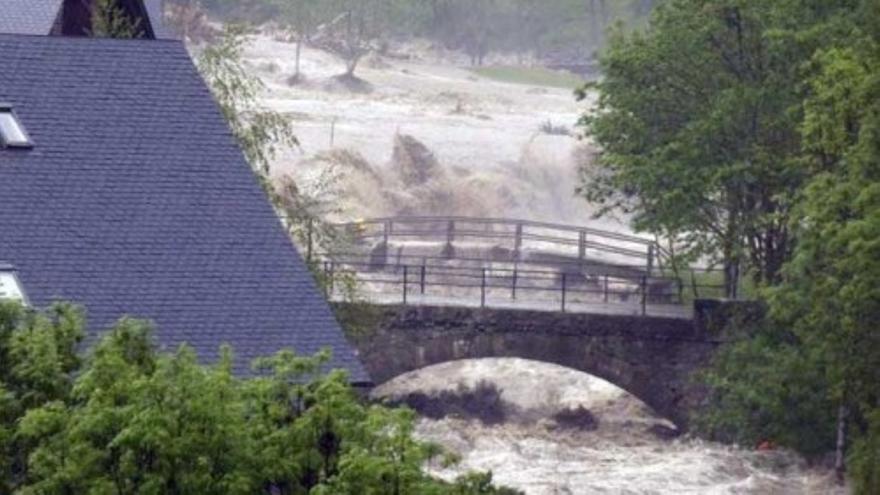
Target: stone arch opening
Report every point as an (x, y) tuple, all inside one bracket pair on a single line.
[(652, 358), (496, 373), (496, 390)]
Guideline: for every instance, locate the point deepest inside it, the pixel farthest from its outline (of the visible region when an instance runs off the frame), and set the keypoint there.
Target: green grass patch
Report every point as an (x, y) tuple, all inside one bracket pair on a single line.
[(533, 76)]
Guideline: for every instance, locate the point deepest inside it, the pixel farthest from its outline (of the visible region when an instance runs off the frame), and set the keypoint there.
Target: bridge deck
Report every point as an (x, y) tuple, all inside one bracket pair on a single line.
[(502, 263), (616, 308)]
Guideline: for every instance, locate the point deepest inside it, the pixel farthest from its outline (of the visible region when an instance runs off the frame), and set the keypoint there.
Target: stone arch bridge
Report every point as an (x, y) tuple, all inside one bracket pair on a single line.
[(653, 358)]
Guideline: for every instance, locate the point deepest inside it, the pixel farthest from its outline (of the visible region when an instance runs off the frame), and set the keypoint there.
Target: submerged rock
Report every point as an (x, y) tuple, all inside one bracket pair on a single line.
[(664, 432), (481, 402), (579, 418)]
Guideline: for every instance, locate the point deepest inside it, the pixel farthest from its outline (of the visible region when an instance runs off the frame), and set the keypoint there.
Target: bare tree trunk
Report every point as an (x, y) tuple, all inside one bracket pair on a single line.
[(351, 63), (731, 267), (732, 249)]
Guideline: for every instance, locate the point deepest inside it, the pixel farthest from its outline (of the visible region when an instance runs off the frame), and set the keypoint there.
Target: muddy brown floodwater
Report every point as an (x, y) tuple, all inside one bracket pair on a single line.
[(621, 456), (493, 160)]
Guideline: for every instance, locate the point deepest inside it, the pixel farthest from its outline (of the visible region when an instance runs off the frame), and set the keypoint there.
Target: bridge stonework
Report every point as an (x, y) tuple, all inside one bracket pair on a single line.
[(652, 358)]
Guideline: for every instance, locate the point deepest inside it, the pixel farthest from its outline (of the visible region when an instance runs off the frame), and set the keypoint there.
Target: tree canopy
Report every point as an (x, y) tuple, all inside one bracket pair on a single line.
[(749, 132), (125, 418), (571, 29), (698, 121)]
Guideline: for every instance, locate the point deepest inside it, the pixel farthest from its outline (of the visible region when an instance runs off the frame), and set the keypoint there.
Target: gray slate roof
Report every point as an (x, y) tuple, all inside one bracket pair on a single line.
[(28, 16), (38, 17), (157, 20), (136, 200)]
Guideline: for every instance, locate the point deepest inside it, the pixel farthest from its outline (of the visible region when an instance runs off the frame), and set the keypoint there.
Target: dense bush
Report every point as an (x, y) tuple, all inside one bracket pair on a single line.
[(124, 418), (749, 132)]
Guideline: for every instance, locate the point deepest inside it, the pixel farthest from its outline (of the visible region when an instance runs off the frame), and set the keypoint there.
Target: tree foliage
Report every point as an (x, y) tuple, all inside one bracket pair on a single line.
[(698, 121), (125, 418), (750, 133), (37, 358), (548, 29), (808, 375), (301, 17), (110, 20), (260, 132), (831, 291)]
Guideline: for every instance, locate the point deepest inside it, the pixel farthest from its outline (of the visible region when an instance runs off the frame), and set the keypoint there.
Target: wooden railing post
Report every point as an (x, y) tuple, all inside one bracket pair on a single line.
[(404, 283), (517, 243), (483, 290), (606, 288), (449, 249), (650, 260), (513, 289), (563, 291), (644, 295), (326, 280), (582, 245), (387, 231), (422, 277)]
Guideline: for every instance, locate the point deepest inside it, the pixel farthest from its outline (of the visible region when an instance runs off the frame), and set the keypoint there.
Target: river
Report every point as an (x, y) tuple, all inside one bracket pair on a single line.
[(494, 160), (622, 455)]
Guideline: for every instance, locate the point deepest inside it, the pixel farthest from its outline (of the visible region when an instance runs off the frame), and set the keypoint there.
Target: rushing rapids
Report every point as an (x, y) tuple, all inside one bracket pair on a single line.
[(493, 159), (629, 451)]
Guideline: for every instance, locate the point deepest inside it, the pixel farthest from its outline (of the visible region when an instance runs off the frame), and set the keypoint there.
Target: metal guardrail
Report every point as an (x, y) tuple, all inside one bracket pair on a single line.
[(557, 289)]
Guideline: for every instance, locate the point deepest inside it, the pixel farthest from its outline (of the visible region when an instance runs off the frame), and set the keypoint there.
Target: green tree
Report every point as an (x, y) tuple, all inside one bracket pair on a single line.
[(110, 20), (767, 386), (128, 419), (831, 294), (697, 123), (38, 354), (810, 377), (549, 29), (357, 24), (260, 132), (301, 18), (137, 422)]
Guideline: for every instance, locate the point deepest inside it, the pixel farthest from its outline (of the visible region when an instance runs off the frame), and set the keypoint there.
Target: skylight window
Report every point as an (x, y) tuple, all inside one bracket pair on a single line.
[(10, 286), (12, 134)]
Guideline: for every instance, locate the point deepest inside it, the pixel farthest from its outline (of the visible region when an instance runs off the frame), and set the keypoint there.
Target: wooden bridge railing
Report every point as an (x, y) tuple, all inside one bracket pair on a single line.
[(514, 234), (468, 281)]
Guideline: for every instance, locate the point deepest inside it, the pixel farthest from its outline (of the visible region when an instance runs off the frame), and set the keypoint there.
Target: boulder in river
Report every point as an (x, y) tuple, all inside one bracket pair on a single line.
[(481, 402), (579, 418)]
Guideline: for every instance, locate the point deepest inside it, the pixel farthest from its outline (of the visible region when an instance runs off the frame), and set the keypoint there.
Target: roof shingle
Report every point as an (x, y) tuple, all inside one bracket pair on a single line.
[(136, 200), (161, 30), (28, 16)]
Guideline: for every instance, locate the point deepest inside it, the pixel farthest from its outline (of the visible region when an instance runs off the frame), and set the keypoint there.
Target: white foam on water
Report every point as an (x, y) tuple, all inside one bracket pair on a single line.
[(485, 134), (620, 456), (496, 163)]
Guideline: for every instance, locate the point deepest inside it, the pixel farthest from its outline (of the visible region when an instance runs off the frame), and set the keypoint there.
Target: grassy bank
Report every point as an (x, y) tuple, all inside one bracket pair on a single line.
[(534, 76)]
